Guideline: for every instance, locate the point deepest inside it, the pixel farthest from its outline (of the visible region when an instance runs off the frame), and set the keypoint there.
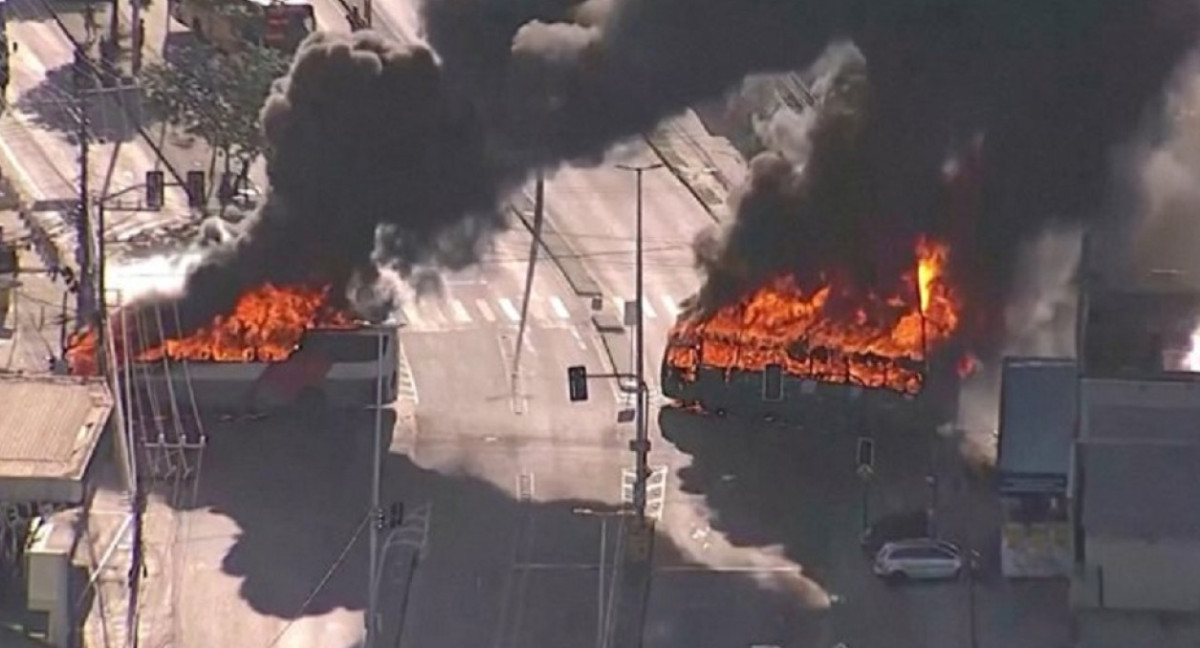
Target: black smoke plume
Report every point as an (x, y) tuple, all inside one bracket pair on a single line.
[(363, 133), (1028, 99), (361, 139)]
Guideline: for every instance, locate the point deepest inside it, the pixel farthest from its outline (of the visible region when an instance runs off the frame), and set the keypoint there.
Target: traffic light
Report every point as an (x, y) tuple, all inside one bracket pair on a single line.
[(773, 382), (380, 519), (227, 189), (866, 454), (155, 183), (577, 383), (195, 188), (396, 514)]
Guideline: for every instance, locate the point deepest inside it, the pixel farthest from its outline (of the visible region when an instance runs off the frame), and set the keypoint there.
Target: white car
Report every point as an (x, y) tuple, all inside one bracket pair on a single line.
[(921, 559)]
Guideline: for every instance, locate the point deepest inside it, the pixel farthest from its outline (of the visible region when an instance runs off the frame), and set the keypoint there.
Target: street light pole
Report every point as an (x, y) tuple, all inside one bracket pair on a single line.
[(641, 444)]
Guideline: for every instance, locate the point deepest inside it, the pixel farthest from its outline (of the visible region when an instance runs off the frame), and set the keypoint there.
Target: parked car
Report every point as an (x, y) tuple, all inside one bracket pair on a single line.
[(918, 559), (892, 528)]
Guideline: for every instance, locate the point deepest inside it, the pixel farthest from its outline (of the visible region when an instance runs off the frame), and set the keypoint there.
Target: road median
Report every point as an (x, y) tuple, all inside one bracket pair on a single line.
[(707, 193)]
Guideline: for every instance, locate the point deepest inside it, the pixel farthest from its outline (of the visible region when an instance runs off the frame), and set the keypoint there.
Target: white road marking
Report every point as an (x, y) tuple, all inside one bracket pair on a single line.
[(560, 309), (510, 311), (407, 384), (579, 341), (412, 315), (525, 486), (460, 312), (647, 309), (431, 312), (672, 307), (485, 310)]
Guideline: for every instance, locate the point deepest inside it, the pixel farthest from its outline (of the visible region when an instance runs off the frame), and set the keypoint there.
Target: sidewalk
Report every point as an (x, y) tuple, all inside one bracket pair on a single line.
[(106, 553), (35, 320)]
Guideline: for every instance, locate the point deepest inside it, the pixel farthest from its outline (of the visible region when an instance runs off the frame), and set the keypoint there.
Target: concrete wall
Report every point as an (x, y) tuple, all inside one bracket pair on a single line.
[(1155, 394), (1146, 574)]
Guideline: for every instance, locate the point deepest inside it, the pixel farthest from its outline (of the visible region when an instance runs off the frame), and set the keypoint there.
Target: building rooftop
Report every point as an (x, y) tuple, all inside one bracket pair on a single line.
[(49, 429), (1037, 415), (1141, 489)]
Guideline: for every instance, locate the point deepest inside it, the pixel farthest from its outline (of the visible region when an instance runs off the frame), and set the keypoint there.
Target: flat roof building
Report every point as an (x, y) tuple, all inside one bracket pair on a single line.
[(49, 429)]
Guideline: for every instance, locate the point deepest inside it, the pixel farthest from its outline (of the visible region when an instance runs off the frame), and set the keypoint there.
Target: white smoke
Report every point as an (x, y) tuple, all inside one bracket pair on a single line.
[(779, 125), (162, 275)]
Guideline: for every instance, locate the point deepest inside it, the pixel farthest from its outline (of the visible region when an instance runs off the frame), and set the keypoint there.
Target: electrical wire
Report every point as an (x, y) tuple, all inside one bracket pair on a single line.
[(324, 580)]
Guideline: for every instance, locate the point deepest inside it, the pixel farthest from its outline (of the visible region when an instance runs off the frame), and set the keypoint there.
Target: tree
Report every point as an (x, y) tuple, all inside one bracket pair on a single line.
[(217, 97)]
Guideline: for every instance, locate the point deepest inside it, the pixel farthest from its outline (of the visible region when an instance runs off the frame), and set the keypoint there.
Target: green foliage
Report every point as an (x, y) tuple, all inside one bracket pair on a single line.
[(215, 96)]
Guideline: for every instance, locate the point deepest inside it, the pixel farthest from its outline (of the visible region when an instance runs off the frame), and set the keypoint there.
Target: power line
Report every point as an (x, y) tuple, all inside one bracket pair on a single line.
[(324, 580)]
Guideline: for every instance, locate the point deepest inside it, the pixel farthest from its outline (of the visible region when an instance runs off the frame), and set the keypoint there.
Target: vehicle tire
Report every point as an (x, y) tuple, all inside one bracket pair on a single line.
[(897, 577)]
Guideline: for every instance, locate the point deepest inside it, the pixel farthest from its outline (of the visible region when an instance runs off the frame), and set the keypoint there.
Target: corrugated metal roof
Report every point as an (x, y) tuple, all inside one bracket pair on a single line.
[(1140, 489), (1037, 415), (49, 426)]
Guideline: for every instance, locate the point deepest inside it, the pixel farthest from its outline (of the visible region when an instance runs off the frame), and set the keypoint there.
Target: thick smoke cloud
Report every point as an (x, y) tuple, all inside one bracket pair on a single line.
[(1037, 94), (361, 140), (364, 133)]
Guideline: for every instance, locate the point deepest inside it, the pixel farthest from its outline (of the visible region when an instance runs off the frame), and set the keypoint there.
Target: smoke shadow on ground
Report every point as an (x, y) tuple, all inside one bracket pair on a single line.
[(51, 105), (297, 494), (782, 484)]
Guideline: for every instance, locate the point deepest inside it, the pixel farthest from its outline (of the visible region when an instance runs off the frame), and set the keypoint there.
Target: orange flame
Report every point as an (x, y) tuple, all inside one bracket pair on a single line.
[(266, 325), (882, 344)]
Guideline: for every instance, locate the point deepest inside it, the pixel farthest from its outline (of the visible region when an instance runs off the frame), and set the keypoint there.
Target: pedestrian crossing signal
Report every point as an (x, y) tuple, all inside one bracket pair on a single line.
[(577, 383), (155, 182), (195, 188)]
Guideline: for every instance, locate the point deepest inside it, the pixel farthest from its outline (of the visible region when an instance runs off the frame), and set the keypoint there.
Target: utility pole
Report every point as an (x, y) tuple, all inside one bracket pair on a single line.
[(641, 442), (539, 208), (85, 303)]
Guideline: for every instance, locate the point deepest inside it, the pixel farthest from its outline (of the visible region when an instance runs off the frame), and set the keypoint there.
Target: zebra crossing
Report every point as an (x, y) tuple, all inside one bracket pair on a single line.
[(462, 312)]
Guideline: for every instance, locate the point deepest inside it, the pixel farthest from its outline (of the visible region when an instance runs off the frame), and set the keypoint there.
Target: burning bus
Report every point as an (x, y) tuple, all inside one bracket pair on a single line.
[(781, 352), (279, 347)]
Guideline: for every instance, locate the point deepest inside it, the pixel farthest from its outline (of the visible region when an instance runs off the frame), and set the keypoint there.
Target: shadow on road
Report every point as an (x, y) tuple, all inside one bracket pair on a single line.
[(298, 495), (781, 484), (113, 113)]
